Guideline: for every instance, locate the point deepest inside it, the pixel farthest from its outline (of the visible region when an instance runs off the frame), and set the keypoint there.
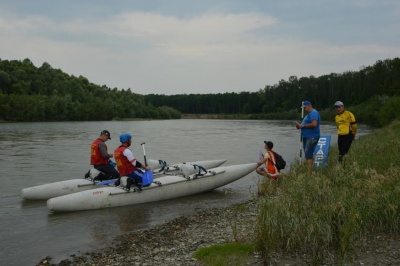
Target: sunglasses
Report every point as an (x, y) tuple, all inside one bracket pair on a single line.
[(338, 106)]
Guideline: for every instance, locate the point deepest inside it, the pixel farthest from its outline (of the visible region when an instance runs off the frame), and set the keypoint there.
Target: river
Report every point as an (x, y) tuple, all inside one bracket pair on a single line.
[(38, 153)]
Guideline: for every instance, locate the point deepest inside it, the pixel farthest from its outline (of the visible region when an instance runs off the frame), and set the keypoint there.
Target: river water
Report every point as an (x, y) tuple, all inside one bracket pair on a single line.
[(37, 153)]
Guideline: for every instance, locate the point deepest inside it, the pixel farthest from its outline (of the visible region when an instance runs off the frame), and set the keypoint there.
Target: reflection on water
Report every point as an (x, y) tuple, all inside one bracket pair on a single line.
[(39, 153), (26, 204)]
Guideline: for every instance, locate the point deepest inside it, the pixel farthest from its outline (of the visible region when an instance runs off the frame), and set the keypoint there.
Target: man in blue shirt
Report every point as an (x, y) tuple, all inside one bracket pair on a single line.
[(310, 132)]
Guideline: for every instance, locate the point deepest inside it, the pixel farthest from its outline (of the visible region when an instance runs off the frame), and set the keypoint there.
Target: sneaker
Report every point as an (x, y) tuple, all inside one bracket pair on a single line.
[(87, 175), (137, 189)]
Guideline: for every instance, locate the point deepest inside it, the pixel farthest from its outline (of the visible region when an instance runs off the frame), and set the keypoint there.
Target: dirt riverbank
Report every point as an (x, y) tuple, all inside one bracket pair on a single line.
[(174, 242)]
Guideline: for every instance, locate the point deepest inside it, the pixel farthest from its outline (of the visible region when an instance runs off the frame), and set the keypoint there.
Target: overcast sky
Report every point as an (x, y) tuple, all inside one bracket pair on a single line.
[(202, 46)]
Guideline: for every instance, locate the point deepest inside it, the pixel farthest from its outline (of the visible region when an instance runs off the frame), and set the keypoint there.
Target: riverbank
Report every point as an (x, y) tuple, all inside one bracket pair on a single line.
[(174, 242)]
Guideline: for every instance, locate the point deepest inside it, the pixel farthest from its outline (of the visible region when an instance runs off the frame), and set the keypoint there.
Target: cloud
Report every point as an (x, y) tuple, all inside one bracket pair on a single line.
[(187, 38), (210, 52)]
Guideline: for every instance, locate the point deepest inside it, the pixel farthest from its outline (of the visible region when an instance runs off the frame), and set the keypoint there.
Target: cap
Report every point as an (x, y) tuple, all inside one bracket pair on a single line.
[(306, 103), (107, 133), (269, 144), (339, 103)]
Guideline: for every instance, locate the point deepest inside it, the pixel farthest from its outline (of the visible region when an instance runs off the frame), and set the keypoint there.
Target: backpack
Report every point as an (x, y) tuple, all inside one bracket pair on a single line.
[(280, 162)]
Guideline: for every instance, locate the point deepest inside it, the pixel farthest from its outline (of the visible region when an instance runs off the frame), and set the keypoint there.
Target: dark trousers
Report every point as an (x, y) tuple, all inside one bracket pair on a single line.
[(109, 171), (344, 143)]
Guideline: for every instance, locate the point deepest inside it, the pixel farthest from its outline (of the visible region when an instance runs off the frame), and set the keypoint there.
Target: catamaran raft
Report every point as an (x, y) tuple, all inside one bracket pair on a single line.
[(159, 167), (166, 187)]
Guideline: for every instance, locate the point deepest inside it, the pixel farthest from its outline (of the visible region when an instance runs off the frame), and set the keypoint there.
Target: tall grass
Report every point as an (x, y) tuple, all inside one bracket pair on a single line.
[(327, 214)]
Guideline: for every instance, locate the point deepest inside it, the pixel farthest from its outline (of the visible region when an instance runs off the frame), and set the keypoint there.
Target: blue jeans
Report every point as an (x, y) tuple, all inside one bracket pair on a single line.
[(309, 145), (137, 176)]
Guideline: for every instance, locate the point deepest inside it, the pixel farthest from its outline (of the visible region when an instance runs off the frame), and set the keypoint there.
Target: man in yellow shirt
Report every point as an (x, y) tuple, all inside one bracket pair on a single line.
[(347, 129)]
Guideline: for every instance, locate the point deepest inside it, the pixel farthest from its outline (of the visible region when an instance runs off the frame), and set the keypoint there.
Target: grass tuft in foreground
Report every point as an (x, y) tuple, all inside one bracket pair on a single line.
[(327, 214), (226, 254)]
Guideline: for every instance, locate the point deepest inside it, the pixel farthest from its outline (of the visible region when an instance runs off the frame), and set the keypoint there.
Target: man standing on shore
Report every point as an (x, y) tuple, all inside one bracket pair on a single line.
[(347, 129), (310, 132)]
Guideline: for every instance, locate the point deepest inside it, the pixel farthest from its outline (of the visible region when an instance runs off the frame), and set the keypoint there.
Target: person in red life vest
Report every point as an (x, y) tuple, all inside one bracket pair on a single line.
[(269, 161), (100, 158), (127, 164)]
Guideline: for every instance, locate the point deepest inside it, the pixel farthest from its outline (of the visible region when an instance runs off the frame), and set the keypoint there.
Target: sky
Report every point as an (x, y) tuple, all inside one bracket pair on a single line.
[(204, 46)]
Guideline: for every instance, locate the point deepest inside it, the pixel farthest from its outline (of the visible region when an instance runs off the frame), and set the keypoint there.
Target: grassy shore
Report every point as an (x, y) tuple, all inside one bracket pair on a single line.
[(327, 216)]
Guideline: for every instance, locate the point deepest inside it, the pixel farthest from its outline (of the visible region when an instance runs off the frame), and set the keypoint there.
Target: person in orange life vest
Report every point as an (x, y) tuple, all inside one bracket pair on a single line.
[(127, 164), (99, 157), (269, 160)]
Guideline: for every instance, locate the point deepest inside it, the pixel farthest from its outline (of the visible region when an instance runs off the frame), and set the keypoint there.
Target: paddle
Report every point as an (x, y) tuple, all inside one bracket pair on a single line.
[(301, 139), (144, 154), (147, 177)]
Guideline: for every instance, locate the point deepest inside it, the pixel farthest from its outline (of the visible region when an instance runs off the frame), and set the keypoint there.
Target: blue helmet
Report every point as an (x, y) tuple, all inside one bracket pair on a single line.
[(125, 137)]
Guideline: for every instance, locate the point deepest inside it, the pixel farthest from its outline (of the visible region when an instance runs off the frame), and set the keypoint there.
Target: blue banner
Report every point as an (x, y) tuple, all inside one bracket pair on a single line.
[(321, 152)]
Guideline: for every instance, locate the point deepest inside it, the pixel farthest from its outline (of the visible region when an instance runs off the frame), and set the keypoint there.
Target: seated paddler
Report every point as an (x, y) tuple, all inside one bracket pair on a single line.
[(127, 163)]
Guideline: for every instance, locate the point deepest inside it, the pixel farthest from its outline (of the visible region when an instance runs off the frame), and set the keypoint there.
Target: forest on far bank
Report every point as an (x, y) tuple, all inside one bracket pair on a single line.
[(30, 93), (372, 94)]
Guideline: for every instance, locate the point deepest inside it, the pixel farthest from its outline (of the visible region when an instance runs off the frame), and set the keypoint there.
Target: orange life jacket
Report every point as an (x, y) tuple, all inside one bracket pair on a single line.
[(95, 155), (273, 172), (124, 166)]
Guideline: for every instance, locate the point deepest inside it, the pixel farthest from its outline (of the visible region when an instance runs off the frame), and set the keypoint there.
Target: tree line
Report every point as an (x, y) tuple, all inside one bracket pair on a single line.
[(372, 92), (29, 93)]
